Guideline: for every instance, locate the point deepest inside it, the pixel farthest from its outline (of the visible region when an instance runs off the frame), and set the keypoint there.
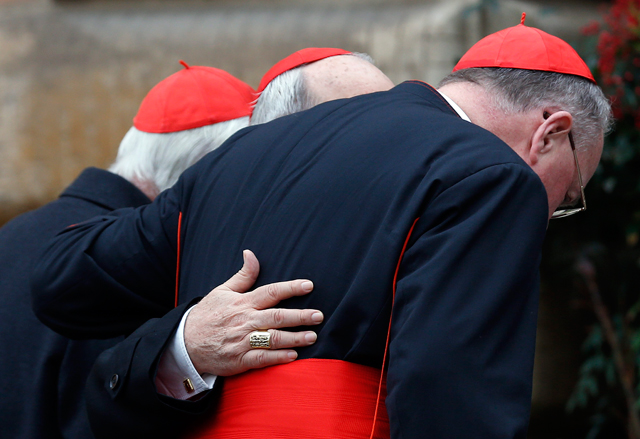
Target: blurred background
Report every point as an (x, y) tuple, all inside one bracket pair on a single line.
[(72, 74)]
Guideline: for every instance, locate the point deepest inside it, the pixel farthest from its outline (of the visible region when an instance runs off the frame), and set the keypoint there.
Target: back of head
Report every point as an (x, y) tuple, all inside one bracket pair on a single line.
[(523, 68), (312, 76), (181, 119)]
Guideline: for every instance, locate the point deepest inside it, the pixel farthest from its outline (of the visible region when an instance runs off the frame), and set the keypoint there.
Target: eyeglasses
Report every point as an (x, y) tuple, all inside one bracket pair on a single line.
[(561, 211)]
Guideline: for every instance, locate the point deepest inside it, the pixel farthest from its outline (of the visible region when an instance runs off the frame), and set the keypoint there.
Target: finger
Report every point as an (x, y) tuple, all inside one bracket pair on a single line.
[(270, 295), (286, 339), (258, 358), (286, 318), (246, 277)]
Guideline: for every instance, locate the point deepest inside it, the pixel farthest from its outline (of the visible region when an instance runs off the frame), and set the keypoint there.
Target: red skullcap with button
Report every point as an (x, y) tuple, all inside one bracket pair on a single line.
[(191, 98), (297, 59), (528, 48)]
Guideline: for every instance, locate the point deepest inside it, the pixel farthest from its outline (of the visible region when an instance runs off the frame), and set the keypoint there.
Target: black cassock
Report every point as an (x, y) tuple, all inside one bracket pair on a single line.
[(330, 194), (44, 373)]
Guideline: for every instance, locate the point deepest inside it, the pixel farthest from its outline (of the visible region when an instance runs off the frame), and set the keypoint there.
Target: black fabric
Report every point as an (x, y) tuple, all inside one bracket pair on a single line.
[(139, 407), (331, 195), (42, 373)]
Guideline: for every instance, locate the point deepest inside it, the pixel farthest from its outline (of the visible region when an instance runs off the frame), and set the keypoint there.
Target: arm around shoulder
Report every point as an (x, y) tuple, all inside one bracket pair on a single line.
[(105, 277)]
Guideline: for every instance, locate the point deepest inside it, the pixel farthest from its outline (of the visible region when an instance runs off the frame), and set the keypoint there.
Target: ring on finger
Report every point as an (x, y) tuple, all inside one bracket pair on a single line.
[(260, 340)]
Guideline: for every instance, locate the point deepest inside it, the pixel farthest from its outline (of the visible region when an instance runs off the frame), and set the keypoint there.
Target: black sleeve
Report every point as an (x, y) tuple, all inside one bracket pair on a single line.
[(122, 400), (464, 317), (105, 277)]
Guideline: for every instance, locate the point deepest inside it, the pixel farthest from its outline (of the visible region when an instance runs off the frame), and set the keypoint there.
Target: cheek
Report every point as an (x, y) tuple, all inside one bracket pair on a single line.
[(557, 185), (555, 199), (557, 172)]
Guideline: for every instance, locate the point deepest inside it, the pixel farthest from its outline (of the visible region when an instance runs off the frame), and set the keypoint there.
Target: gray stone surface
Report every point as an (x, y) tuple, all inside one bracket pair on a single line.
[(73, 73)]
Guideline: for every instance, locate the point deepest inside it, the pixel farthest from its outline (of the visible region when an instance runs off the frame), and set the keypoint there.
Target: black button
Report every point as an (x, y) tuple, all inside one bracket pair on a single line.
[(114, 381)]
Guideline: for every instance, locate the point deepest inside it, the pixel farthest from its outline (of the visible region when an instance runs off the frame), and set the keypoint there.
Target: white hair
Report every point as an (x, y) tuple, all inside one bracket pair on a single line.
[(288, 93), (156, 160), (519, 90)]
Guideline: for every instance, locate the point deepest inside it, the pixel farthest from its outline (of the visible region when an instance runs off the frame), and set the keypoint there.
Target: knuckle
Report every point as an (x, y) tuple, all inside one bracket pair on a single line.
[(279, 317), (241, 316), (235, 301), (300, 339), (245, 362), (247, 327), (273, 292), (244, 273), (276, 339), (261, 359)]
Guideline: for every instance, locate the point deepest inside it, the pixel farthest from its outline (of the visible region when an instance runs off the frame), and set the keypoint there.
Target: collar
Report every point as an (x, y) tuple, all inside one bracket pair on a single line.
[(105, 188), (431, 95), (455, 106)]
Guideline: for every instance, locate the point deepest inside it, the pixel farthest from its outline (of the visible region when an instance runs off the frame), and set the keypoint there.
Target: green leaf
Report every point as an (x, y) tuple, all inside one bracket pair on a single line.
[(634, 339), (593, 364), (594, 339), (610, 373), (633, 311), (591, 386)]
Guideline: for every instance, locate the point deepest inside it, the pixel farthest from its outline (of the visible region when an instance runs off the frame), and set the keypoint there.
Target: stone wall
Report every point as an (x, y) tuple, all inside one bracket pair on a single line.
[(72, 74)]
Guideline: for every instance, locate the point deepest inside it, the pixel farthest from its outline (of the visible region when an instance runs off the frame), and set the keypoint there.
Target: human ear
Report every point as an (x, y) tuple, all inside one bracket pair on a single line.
[(549, 134)]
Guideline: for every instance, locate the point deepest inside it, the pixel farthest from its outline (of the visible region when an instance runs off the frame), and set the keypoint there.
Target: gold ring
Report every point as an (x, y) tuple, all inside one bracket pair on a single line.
[(260, 340)]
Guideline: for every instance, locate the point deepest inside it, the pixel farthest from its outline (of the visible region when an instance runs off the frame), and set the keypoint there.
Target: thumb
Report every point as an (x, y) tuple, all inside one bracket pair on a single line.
[(246, 277)]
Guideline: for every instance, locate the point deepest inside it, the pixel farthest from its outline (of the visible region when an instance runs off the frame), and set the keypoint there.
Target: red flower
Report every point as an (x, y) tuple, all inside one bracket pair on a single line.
[(617, 112), (591, 29), (618, 59)]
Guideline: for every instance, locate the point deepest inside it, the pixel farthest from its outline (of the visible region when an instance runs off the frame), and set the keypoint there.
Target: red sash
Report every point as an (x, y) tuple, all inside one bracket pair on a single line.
[(309, 399)]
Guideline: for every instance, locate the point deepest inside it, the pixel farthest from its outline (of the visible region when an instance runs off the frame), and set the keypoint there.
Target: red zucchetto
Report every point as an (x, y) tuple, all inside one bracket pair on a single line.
[(523, 47), (191, 98), (297, 59)]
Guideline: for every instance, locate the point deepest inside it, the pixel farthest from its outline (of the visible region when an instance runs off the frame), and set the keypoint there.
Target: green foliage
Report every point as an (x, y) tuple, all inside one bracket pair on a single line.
[(608, 235), (597, 365)]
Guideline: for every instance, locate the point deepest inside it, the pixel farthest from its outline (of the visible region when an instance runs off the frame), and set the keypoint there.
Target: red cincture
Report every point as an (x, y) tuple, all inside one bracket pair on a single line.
[(309, 399)]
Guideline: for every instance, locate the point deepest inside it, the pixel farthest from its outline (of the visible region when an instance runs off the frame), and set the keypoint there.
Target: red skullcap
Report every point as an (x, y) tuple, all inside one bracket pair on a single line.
[(297, 59), (523, 47), (191, 98)]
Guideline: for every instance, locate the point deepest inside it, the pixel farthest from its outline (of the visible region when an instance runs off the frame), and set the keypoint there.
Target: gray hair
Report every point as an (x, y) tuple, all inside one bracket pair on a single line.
[(288, 93), (518, 90), (160, 158)]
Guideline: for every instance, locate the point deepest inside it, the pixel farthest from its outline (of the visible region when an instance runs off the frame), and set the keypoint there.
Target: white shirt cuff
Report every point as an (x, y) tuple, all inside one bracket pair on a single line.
[(177, 377)]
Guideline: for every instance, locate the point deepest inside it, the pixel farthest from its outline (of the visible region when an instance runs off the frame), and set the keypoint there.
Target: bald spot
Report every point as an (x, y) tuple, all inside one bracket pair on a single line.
[(343, 76)]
